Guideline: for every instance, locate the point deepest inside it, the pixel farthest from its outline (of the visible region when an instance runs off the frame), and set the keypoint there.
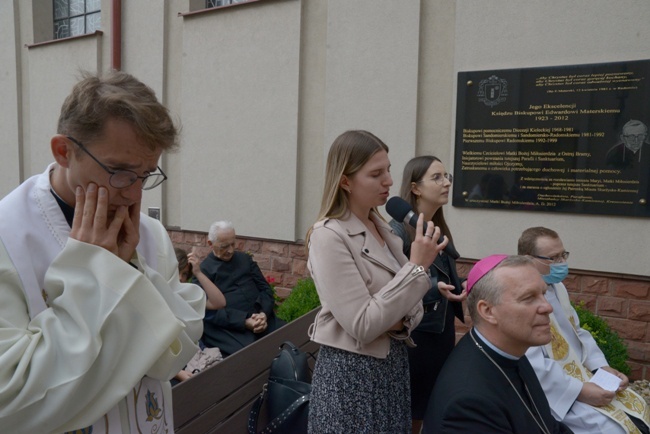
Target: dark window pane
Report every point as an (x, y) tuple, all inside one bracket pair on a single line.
[(93, 22), (77, 7), (76, 17), (93, 5), (215, 3), (60, 9), (61, 29), (77, 26)]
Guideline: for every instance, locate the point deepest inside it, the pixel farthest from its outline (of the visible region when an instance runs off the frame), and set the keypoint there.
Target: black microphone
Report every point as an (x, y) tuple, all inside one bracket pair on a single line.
[(400, 210)]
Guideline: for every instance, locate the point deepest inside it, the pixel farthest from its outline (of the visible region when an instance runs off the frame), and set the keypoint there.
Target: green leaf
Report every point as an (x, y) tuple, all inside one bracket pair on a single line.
[(303, 298)]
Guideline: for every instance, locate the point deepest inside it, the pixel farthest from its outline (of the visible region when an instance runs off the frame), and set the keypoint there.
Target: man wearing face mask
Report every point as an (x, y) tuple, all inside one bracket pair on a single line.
[(565, 365)]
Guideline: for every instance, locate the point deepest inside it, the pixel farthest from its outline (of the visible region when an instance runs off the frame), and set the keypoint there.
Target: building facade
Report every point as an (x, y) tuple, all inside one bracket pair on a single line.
[(262, 87)]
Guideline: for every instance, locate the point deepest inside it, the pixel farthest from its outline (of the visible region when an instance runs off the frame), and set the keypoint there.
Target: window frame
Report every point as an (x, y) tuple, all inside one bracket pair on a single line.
[(71, 15)]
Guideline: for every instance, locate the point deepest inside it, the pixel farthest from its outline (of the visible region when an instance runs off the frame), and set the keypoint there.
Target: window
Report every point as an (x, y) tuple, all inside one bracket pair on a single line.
[(216, 3), (76, 17)]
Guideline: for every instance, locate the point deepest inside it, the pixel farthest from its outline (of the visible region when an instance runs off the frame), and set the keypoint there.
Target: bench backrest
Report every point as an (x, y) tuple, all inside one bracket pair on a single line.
[(219, 398)]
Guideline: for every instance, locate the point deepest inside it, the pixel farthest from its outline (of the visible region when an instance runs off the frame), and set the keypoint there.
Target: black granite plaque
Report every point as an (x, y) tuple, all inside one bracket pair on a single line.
[(561, 139)]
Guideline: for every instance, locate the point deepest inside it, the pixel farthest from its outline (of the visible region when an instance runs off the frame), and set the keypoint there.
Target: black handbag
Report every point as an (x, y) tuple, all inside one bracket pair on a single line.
[(286, 393)]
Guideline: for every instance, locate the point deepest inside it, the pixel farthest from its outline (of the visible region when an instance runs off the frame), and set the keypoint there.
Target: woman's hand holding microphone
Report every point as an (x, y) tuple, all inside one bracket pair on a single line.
[(425, 247)]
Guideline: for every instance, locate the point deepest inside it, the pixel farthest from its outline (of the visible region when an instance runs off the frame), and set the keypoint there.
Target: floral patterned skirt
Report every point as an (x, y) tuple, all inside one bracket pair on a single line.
[(353, 393)]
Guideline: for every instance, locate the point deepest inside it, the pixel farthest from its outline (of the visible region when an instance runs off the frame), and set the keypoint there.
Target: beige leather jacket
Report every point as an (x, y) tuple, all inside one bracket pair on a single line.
[(361, 292)]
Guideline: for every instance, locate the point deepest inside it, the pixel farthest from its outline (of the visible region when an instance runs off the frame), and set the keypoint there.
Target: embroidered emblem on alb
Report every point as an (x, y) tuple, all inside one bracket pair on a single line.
[(559, 345), (573, 370), (153, 410)]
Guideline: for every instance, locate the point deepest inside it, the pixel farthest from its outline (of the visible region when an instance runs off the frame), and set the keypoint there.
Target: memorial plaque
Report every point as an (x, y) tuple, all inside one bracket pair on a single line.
[(557, 139)]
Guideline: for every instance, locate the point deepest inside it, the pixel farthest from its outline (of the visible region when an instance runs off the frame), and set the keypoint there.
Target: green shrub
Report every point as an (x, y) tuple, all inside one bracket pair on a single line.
[(303, 298), (608, 340)]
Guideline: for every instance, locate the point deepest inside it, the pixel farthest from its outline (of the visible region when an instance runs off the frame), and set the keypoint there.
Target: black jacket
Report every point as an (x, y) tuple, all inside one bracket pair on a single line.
[(431, 322), (246, 292), (473, 396)]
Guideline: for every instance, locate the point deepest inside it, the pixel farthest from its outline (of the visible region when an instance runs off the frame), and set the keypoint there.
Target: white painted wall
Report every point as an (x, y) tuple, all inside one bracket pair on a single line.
[(372, 74), (240, 118), (10, 107), (143, 42), (53, 71)]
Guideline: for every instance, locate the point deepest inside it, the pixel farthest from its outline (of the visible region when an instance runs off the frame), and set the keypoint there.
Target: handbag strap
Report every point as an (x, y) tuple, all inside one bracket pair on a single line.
[(276, 423)]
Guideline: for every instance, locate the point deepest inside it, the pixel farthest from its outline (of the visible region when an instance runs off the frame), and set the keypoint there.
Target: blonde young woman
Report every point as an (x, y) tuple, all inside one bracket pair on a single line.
[(426, 186), (370, 293)]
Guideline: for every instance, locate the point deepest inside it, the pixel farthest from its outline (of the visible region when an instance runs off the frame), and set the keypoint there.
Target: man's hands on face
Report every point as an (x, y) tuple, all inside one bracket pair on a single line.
[(91, 223), (257, 322)]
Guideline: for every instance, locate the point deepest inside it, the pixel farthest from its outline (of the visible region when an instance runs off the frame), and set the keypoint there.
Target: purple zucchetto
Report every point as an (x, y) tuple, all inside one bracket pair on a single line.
[(481, 268)]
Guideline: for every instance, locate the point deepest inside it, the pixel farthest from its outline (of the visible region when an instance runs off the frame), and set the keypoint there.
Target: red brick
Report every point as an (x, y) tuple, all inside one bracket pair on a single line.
[(595, 285), (205, 249), (253, 246), (299, 267), (639, 310), (194, 239), (240, 245), (281, 264), (273, 248), (638, 371), (572, 283), (282, 292), (290, 280), (463, 269), (639, 351), (263, 261), (297, 251), (628, 289), (588, 300), (611, 306), (177, 237), (202, 252), (633, 330)]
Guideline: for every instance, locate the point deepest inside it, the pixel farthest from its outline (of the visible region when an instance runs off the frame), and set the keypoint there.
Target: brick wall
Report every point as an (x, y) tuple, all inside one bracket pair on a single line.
[(623, 301)]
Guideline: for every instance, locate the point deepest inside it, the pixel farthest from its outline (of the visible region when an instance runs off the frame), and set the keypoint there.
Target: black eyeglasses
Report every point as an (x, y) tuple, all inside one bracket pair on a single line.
[(123, 178), (555, 259)]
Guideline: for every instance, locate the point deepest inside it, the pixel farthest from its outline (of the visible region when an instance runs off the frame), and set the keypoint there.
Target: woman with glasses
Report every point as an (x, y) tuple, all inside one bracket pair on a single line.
[(426, 185)]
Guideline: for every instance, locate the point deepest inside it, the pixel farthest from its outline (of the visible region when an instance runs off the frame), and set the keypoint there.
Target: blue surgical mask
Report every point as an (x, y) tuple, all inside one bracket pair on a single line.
[(557, 274)]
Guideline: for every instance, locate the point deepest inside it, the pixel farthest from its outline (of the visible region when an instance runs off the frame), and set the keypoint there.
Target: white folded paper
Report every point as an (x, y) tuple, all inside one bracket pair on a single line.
[(606, 380)]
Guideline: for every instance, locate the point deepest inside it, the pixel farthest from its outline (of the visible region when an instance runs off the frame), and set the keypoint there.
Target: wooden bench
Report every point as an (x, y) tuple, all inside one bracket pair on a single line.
[(219, 398)]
